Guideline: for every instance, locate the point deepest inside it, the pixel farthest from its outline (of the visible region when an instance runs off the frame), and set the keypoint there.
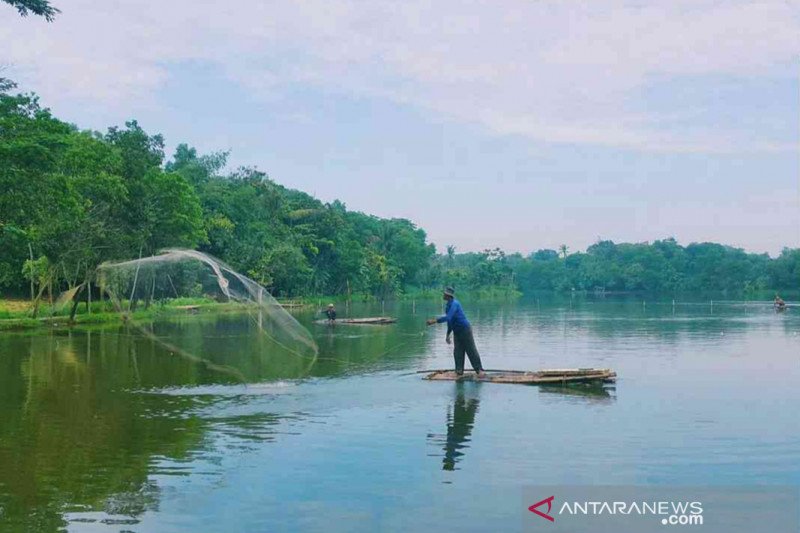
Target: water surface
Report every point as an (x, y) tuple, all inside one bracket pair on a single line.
[(107, 430)]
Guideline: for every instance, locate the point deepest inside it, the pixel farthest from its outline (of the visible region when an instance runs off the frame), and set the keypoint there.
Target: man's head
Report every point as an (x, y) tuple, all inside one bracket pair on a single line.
[(330, 306), (449, 293)]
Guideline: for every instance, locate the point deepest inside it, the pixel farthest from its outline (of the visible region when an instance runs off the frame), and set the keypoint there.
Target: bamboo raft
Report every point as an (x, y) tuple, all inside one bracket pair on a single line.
[(188, 308), (367, 320), (561, 376)]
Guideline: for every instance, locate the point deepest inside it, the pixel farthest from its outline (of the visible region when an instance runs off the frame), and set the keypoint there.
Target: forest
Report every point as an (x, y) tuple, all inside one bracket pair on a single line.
[(71, 199)]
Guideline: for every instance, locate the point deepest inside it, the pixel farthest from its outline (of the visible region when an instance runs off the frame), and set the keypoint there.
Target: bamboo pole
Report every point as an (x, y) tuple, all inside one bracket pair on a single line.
[(135, 280)]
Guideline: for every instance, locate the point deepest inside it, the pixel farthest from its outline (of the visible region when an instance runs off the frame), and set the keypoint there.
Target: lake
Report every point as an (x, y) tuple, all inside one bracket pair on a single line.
[(105, 429)]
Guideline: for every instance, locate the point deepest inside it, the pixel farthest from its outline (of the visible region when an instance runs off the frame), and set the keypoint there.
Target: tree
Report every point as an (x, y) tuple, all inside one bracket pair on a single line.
[(196, 170), (451, 254), (544, 255), (140, 152), (37, 7), (72, 199), (173, 215), (6, 85), (784, 272)]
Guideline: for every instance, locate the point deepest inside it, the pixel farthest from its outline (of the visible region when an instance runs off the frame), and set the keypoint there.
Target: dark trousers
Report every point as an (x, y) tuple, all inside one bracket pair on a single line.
[(464, 342)]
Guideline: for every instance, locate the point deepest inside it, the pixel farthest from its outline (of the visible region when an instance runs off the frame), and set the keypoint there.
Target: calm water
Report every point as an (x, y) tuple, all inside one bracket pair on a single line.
[(106, 430)]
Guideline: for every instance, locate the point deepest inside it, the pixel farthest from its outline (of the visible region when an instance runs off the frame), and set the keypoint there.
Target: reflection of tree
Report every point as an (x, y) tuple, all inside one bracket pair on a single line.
[(459, 427), (72, 439)]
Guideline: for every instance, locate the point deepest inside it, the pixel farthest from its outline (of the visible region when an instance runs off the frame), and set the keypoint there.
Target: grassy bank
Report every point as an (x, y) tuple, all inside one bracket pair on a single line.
[(17, 314)]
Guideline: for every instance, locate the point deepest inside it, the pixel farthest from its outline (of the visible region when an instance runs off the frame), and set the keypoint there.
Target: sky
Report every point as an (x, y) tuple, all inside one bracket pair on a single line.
[(519, 124)]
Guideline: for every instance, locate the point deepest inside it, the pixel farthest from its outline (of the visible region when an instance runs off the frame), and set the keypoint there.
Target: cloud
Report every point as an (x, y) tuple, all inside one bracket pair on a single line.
[(560, 72)]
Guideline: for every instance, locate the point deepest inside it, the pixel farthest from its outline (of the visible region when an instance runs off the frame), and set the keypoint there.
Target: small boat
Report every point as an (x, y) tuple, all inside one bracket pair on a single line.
[(291, 305), (562, 376), (379, 320)]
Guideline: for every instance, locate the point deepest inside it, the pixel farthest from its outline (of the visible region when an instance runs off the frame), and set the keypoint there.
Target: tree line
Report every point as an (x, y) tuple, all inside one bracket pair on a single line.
[(72, 199)]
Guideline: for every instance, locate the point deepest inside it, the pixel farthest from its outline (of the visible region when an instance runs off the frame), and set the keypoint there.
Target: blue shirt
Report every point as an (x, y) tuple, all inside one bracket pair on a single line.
[(455, 317)]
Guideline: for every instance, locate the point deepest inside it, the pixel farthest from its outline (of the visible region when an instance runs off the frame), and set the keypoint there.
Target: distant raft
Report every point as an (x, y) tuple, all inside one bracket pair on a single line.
[(377, 320), (562, 376)]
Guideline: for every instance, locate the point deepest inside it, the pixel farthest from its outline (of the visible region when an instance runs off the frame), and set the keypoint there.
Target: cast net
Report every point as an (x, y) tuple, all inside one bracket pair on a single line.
[(197, 307)]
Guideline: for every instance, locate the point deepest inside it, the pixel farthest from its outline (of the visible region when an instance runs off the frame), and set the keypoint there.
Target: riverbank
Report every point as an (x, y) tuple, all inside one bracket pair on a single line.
[(16, 314)]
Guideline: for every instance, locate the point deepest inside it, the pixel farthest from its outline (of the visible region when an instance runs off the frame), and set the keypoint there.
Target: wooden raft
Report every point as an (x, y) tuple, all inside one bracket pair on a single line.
[(188, 308), (560, 376), (366, 320)]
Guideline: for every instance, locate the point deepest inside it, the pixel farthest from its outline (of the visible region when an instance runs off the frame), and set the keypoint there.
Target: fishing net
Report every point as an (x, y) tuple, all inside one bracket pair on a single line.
[(195, 306)]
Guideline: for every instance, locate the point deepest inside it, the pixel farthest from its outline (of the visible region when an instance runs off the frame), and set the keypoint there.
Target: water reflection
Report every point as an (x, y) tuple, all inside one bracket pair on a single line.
[(585, 393), (71, 440), (460, 421), (103, 428)]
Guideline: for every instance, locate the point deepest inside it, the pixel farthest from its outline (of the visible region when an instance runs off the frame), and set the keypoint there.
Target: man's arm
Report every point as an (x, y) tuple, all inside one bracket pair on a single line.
[(451, 312)]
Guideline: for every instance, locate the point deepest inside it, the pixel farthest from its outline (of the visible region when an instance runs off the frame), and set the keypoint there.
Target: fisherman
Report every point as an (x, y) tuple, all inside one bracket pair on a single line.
[(459, 327), (330, 312), (779, 303)]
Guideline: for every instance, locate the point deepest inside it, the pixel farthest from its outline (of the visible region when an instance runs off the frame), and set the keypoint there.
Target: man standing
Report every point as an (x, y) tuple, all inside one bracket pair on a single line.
[(460, 328), (330, 312)]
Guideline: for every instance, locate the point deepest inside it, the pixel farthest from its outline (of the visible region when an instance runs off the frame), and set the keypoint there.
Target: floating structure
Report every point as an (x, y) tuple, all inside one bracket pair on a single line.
[(292, 305), (188, 308), (561, 376), (378, 320)]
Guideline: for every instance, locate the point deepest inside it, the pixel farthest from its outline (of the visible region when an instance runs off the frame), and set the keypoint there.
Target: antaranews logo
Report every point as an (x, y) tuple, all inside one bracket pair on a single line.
[(534, 508), (659, 509), (674, 513)]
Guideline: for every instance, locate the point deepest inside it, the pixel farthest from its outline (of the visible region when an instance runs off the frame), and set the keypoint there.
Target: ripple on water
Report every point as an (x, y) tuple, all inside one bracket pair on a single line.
[(221, 390)]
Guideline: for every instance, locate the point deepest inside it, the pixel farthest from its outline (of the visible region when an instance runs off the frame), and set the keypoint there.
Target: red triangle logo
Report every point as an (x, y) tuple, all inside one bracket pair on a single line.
[(546, 514)]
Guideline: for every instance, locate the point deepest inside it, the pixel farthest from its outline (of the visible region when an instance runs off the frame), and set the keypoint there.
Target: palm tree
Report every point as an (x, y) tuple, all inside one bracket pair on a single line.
[(451, 254), (563, 250)]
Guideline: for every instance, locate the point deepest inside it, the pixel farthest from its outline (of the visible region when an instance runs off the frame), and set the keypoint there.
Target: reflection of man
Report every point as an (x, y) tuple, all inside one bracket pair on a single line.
[(459, 427)]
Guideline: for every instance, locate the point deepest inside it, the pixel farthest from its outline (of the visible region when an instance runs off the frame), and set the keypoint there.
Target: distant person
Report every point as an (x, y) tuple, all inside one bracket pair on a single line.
[(330, 312), (459, 327), (779, 303)]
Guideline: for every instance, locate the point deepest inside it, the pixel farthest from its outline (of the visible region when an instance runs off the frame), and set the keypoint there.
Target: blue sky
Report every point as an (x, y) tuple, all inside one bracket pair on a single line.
[(516, 124)]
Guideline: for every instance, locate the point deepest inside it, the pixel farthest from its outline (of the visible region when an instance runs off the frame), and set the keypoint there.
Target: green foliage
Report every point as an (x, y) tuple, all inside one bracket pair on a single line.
[(488, 269), (663, 266), (172, 215), (37, 270), (784, 272), (293, 243), (37, 7), (75, 199), (79, 198), (6, 85)]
